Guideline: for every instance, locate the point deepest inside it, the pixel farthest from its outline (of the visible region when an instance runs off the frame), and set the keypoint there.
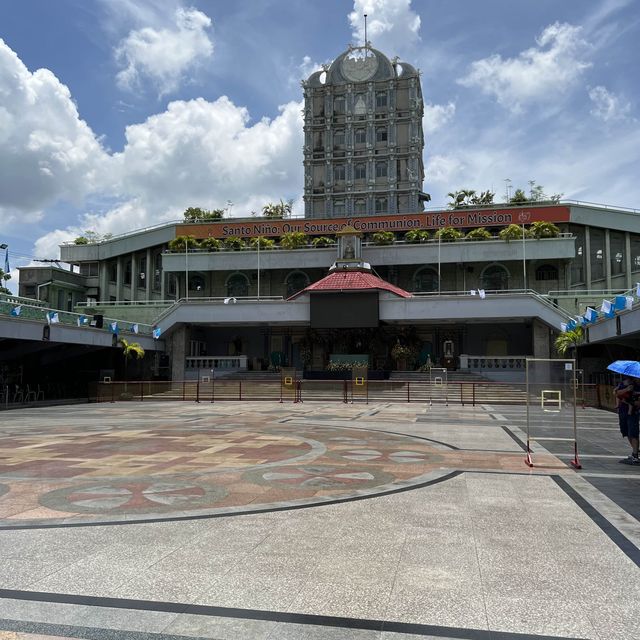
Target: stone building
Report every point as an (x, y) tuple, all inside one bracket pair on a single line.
[(363, 137)]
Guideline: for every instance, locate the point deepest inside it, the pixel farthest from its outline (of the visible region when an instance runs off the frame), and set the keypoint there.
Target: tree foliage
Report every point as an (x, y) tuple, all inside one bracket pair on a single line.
[(569, 340), (469, 198), (130, 350), (280, 209), (293, 240), (92, 237), (416, 236), (181, 243), (536, 194), (3, 278), (449, 234), (479, 234), (196, 214)]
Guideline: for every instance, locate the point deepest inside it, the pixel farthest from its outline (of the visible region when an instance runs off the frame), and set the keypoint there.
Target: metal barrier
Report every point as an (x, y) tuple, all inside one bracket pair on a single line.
[(410, 391)]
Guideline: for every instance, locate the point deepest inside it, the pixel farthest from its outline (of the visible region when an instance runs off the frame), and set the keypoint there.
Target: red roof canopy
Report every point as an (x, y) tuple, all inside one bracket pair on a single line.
[(352, 281)]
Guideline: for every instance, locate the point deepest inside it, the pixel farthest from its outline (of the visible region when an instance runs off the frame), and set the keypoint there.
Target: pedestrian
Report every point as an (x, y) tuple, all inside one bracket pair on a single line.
[(627, 395)]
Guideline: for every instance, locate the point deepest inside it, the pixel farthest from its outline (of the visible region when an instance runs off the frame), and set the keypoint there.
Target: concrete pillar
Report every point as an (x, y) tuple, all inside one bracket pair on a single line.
[(148, 276), (541, 340), (119, 276), (607, 257), (104, 281), (587, 257), (627, 260), (179, 346), (134, 277)]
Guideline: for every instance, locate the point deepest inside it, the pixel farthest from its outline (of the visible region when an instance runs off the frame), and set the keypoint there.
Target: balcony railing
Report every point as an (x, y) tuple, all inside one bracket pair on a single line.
[(216, 363)]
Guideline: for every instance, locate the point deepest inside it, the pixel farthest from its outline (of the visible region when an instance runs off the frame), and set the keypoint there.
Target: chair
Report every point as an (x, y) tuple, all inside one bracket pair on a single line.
[(18, 394), (39, 393), (30, 395)]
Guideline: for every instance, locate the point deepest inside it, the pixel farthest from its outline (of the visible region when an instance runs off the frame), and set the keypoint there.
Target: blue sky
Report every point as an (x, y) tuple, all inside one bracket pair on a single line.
[(119, 114)]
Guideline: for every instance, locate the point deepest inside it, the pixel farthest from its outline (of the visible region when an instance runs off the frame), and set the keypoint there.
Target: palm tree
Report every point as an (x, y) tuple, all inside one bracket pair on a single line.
[(130, 350), (569, 340)]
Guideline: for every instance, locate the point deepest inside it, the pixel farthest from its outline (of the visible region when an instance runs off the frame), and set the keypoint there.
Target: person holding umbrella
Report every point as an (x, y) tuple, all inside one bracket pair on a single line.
[(627, 394)]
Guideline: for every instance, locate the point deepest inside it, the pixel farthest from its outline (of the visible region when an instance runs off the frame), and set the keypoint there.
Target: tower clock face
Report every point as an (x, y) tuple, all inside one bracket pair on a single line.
[(359, 65)]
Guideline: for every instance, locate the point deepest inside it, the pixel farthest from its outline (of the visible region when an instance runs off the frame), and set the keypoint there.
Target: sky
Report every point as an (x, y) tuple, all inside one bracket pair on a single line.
[(119, 114)]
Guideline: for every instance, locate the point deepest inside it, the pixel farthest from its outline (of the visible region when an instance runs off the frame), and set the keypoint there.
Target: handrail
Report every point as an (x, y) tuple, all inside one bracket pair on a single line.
[(429, 242), (70, 318)]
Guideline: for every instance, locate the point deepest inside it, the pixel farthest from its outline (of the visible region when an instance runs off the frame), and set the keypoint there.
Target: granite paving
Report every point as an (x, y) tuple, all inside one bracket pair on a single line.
[(268, 520)]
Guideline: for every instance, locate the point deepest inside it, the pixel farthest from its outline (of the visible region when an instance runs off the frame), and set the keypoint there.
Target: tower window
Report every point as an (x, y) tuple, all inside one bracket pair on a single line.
[(381, 205), (361, 136), (338, 138), (381, 99), (381, 134), (360, 171), (339, 173), (338, 104), (381, 169)]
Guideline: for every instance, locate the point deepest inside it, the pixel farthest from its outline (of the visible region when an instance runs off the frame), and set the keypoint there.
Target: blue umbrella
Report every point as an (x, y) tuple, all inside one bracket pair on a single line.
[(626, 367)]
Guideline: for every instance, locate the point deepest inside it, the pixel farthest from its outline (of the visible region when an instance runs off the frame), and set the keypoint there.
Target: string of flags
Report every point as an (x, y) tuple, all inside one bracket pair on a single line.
[(608, 309), (53, 317), (479, 292), (15, 312), (156, 333)]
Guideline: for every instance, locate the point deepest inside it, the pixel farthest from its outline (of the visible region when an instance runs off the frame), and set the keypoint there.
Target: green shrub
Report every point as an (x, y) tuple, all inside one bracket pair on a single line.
[(383, 237), (513, 232), (234, 243), (81, 240), (211, 244), (416, 236), (544, 230), (449, 234), (293, 240), (180, 243), (264, 243), (479, 234), (323, 241)]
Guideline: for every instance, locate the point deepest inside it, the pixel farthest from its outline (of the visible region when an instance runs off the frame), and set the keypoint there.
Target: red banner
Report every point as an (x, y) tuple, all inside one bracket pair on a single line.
[(461, 218)]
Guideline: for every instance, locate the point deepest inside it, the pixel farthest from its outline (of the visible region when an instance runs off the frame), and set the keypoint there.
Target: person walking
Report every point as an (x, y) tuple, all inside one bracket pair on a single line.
[(627, 395)]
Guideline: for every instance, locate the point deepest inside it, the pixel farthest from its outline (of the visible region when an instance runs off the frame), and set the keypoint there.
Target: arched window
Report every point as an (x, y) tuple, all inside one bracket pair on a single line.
[(296, 281), (425, 280), (360, 171), (381, 169), (361, 136), (360, 206), (495, 277), (196, 282), (547, 272), (338, 104), (382, 204), (237, 286)]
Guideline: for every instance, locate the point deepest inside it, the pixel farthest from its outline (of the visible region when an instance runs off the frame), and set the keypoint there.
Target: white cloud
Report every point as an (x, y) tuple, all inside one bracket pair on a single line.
[(46, 151), (436, 116), (443, 170), (608, 106), (197, 153), (164, 55), (392, 26), (540, 73)]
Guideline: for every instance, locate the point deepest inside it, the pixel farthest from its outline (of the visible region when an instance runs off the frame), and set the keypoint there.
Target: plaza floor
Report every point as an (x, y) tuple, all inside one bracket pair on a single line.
[(312, 521)]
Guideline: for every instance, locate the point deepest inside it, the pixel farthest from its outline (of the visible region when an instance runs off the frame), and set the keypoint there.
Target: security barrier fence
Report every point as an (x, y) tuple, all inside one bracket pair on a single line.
[(224, 390)]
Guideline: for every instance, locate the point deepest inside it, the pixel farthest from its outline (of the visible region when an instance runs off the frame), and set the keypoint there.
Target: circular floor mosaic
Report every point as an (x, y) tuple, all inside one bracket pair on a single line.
[(145, 472)]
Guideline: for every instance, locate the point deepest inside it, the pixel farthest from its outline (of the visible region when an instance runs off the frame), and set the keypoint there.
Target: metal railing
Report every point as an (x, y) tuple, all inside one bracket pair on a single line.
[(42, 314), (410, 391)]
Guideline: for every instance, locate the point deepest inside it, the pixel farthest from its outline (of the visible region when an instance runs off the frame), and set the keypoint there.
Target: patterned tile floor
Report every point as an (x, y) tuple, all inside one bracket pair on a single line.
[(163, 463)]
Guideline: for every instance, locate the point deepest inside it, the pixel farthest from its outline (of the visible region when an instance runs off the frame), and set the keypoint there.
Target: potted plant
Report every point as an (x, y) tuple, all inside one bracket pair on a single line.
[(416, 236), (211, 244), (293, 240), (402, 355), (449, 234), (513, 232), (323, 241), (262, 242), (181, 243), (234, 243), (479, 234), (383, 237), (542, 229)]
